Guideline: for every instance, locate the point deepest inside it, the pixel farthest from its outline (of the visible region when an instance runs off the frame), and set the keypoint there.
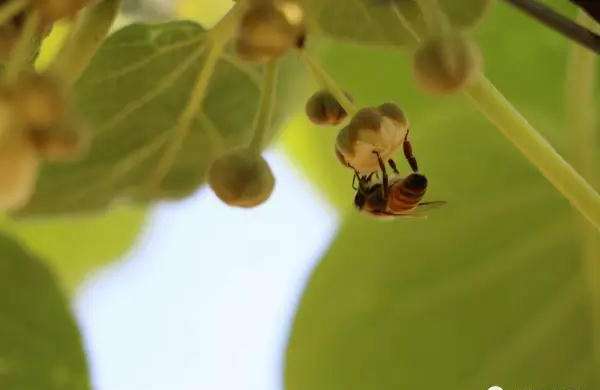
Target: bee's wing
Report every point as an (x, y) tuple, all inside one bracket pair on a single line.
[(389, 215), (425, 206), (417, 212)]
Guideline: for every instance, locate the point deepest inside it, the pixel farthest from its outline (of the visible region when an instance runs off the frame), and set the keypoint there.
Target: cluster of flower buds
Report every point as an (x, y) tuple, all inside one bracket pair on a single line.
[(269, 28), (241, 178), (372, 131), (36, 125)]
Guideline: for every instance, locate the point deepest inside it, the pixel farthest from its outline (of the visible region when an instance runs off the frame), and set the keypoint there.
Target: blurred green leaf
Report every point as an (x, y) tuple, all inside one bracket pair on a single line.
[(371, 22), (465, 13), (75, 246), (132, 94), (381, 22), (40, 347), (490, 289)]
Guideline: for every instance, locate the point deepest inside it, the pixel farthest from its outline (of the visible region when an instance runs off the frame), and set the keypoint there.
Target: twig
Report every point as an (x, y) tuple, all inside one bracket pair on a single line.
[(559, 23)]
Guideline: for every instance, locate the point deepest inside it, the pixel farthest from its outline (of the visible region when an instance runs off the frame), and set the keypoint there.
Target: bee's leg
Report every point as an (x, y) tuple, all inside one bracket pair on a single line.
[(408, 153), (354, 182), (383, 173), (392, 164)]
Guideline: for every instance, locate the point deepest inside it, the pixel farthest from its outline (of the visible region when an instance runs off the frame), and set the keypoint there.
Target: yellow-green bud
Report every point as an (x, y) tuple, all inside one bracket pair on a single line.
[(323, 109), (19, 165), (269, 28), (241, 178), (373, 129), (446, 64)]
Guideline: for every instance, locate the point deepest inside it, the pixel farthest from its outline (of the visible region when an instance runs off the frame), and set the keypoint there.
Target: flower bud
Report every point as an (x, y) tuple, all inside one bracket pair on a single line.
[(19, 164), (371, 131), (53, 10), (323, 109), (269, 28), (242, 179), (446, 64), (64, 144), (40, 102)]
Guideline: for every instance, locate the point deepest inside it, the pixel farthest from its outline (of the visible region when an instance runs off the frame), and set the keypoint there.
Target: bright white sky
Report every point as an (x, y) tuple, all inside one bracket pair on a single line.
[(206, 299)]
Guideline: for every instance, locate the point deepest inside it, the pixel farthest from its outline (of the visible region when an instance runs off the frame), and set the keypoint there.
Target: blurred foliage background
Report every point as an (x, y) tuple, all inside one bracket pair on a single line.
[(491, 289)]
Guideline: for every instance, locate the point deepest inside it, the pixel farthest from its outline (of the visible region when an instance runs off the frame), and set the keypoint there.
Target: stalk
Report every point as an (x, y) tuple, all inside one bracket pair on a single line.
[(262, 121), (92, 27), (535, 148), (582, 127)]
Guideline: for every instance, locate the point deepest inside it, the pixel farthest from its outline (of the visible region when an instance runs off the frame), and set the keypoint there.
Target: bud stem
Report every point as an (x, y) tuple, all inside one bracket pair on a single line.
[(328, 83), (262, 121), (536, 149), (216, 39), (582, 123), (23, 53), (85, 38), (435, 19), (11, 9), (484, 95)]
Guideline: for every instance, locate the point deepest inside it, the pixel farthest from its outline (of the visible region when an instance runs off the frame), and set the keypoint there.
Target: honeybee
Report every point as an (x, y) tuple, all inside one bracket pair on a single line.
[(398, 197)]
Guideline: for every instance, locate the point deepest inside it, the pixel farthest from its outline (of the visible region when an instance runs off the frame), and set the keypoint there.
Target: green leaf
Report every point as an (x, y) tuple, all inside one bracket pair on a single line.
[(132, 94), (465, 14), (489, 290), (75, 246), (40, 347), (373, 22), (385, 22)]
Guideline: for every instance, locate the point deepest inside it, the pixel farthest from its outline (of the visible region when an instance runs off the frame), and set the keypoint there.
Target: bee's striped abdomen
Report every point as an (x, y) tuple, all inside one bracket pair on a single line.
[(406, 194)]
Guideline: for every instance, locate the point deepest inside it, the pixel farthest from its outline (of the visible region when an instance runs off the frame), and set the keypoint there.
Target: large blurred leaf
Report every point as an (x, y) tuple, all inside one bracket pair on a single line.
[(40, 346), (366, 21), (75, 246), (487, 291), (385, 22), (132, 94)]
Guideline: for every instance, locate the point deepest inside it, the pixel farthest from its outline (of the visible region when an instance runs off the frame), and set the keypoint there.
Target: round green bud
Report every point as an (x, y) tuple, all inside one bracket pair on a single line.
[(268, 29), (373, 130), (19, 165), (323, 109), (446, 64), (242, 179)]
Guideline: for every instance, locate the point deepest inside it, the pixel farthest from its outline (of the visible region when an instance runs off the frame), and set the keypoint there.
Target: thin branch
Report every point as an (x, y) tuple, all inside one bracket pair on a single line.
[(592, 7), (559, 23)]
